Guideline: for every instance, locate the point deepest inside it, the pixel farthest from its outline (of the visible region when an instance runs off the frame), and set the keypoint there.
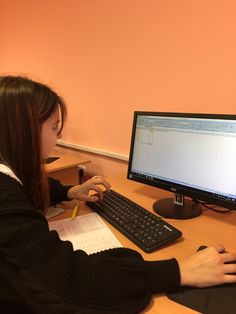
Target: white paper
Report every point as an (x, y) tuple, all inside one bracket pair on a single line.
[(87, 232)]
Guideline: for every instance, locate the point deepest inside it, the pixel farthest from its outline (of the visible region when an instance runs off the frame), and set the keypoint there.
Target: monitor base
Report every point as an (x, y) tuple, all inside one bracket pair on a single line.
[(167, 208)]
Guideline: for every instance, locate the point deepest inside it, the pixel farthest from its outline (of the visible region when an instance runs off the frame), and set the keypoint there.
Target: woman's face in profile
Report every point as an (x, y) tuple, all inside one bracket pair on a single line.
[(50, 133)]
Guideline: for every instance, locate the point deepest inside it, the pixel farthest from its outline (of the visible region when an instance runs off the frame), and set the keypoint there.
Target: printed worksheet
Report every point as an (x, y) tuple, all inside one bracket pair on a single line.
[(87, 232)]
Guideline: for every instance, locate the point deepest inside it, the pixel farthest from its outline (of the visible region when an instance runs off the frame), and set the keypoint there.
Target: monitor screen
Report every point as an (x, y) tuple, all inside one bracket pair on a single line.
[(192, 155)]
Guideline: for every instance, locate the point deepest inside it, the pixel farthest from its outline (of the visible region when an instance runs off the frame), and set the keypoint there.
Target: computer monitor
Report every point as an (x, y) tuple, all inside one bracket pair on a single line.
[(190, 154)]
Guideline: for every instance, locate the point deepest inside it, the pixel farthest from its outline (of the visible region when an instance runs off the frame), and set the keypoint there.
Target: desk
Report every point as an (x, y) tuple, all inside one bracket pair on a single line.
[(210, 228), (65, 168)]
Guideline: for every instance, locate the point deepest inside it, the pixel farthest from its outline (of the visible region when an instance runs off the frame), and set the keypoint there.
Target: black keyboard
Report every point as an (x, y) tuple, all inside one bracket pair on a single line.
[(145, 229)]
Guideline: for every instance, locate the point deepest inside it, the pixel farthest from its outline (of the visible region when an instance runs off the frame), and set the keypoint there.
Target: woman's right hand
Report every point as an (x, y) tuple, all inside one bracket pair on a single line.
[(81, 192), (207, 268)]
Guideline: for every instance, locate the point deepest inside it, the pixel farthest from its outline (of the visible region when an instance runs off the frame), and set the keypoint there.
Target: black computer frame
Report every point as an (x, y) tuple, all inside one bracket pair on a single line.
[(179, 189)]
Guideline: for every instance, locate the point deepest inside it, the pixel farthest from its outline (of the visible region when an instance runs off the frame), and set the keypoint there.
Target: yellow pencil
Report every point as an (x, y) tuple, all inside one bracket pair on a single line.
[(75, 210)]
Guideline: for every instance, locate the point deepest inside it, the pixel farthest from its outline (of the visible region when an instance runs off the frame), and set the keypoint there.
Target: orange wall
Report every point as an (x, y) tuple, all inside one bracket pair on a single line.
[(110, 57)]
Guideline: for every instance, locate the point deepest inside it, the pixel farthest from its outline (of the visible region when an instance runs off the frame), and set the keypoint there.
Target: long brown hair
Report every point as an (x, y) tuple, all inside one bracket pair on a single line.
[(24, 106)]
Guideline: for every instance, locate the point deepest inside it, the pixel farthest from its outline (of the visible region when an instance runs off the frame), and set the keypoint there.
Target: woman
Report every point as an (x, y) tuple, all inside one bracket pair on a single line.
[(39, 273)]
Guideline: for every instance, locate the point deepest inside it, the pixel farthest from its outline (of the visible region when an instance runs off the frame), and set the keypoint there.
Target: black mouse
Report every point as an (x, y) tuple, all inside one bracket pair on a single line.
[(202, 247)]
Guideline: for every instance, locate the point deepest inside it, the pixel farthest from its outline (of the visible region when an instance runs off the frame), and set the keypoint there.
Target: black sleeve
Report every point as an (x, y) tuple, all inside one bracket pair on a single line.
[(51, 277), (49, 274), (57, 191)]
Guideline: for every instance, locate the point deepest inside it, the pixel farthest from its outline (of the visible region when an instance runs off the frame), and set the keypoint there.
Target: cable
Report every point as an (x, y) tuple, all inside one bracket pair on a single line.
[(206, 205)]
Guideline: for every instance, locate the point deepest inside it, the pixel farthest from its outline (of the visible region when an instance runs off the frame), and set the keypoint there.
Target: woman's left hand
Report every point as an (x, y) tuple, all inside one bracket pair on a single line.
[(81, 192)]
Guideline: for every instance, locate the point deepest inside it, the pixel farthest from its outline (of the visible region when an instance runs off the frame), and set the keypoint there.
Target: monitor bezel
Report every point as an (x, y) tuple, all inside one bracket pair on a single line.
[(191, 192)]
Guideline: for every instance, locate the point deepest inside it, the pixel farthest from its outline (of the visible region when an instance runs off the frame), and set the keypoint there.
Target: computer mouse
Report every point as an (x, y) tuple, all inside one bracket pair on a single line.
[(202, 247)]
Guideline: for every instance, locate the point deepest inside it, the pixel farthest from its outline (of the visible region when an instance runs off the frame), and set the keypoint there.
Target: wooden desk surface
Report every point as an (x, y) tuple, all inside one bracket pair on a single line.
[(208, 229), (65, 161)]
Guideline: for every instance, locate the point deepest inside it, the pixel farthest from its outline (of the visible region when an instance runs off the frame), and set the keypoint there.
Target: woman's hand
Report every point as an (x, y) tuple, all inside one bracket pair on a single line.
[(81, 192), (207, 268)]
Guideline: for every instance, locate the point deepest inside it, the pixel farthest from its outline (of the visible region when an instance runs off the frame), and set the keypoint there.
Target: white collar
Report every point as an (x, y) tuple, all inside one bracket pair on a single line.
[(6, 170)]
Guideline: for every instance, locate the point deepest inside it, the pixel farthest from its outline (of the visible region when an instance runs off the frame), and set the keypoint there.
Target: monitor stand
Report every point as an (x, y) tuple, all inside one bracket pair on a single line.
[(177, 208)]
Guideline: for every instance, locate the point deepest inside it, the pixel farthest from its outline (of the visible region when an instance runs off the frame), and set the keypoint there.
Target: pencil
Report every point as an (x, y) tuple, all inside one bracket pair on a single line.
[(75, 210)]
